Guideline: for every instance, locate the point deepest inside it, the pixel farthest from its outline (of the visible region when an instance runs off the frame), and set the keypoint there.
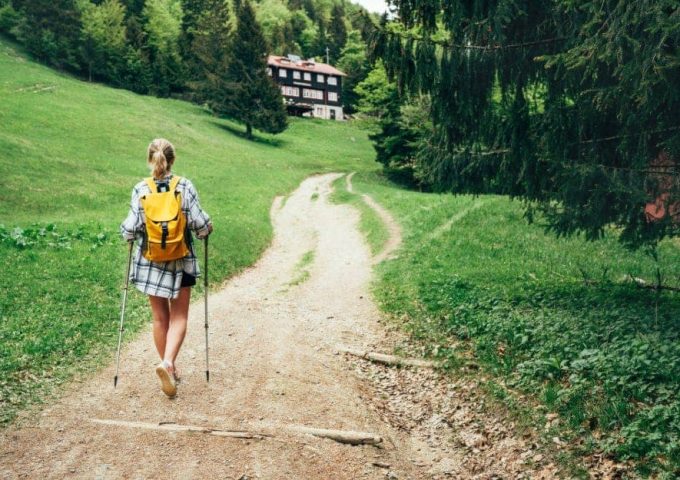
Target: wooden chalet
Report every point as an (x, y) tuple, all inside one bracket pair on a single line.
[(309, 88)]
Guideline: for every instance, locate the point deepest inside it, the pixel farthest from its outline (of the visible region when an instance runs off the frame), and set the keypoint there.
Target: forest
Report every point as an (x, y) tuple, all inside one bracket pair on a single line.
[(181, 48), (567, 106)]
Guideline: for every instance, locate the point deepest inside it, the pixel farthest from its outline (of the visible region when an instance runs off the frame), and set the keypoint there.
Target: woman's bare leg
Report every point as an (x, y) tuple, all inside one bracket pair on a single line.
[(160, 310), (179, 312)]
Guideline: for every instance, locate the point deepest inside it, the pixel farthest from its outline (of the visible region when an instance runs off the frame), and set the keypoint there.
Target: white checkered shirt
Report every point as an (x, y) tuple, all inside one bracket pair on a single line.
[(163, 279)]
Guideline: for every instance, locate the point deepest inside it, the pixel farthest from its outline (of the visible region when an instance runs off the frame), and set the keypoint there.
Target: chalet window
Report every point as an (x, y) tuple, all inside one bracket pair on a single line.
[(308, 77), (319, 111), (290, 91), (296, 75), (315, 94), (283, 72), (319, 78), (332, 97), (332, 80)]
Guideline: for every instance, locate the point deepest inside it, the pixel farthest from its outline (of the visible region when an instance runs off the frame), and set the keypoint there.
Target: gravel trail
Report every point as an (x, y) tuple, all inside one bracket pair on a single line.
[(274, 368)]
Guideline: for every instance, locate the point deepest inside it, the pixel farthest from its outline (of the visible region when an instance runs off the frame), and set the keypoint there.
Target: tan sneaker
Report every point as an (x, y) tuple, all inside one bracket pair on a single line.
[(167, 380)]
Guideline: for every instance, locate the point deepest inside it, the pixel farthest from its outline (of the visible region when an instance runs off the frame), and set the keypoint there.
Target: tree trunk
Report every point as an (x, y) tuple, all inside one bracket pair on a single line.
[(249, 131)]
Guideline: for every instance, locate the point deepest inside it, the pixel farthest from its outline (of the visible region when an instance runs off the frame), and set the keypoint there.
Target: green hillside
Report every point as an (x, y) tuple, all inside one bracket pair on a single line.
[(561, 319), (70, 154)]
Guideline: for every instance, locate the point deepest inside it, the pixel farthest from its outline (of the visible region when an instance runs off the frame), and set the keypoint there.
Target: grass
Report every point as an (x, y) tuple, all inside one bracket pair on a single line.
[(370, 224), (301, 271), (71, 152), (553, 318), (557, 319)]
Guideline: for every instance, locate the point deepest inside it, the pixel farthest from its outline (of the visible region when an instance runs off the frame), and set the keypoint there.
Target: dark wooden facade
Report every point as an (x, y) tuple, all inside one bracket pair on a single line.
[(309, 88)]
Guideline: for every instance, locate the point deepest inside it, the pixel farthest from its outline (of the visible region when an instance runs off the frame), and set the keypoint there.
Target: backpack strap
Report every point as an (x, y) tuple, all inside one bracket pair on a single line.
[(173, 183), (152, 185)]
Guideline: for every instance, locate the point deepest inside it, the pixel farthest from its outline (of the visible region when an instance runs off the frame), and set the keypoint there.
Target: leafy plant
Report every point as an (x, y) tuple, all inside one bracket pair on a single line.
[(553, 317)]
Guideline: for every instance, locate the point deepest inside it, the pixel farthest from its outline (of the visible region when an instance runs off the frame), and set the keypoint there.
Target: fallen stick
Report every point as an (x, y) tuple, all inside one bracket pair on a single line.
[(341, 436), (388, 359), (173, 427)]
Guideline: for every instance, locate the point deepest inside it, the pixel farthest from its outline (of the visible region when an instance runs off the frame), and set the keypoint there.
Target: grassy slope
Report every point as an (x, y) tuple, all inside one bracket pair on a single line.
[(552, 317), (370, 224), (71, 152)]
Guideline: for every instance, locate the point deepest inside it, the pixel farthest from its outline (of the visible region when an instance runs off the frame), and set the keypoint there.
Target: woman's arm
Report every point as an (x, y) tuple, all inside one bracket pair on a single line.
[(133, 222), (197, 219)]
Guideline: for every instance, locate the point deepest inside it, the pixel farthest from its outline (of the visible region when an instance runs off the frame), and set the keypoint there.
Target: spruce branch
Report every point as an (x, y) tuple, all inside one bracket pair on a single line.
[(413, 37)]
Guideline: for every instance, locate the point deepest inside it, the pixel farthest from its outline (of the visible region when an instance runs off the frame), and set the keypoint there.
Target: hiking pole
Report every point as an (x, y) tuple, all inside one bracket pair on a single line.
[(122, 311), (205, 294)]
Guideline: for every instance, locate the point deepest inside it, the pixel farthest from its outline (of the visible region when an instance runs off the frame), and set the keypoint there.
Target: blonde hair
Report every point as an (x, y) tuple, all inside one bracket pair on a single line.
[(160, 157)]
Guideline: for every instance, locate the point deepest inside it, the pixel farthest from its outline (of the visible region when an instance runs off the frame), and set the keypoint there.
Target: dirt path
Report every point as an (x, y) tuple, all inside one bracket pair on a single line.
[(393, 228), (273, 368)]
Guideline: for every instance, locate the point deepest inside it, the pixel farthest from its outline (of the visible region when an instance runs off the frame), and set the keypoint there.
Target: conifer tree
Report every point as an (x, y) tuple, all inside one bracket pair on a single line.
[(354, 62), (51, 31), (251, 96), (321, 42), (337, 33), (103, 32), (136, 74), (133, 7), (163, 27), (10, 18), (571, 106), (208, 53), (194, 11)]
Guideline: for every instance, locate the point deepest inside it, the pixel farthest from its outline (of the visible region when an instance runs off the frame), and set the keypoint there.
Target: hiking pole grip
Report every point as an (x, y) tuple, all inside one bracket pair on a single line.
[(205, 295), (122, 310)]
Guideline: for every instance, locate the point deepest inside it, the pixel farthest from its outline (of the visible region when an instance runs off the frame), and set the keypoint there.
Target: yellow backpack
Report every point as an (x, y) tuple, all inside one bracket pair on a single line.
[(165, 223)]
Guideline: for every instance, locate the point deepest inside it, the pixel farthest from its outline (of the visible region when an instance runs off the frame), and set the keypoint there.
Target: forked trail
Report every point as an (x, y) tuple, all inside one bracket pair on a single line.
[(274, 371), (282, 403)]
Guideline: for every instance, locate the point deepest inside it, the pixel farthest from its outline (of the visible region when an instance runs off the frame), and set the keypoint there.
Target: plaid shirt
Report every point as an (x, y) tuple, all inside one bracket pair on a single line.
[(163, 279)]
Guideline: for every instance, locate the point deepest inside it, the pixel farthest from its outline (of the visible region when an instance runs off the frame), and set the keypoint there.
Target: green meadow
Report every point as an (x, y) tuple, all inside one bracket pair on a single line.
[(70, 153), (562, 322), (559, 319)]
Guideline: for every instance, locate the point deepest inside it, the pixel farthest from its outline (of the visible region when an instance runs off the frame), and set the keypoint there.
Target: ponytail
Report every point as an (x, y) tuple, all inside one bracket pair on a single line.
[(159, 164), (160, 157)]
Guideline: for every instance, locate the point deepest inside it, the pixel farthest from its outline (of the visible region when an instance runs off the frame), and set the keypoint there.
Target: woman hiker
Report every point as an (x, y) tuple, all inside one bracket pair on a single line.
[(167, 283)]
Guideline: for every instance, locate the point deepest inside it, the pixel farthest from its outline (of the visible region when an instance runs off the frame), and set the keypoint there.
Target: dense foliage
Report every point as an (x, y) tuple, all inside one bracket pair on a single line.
[(562, 319), (354, 63), (250, 96), (568, 105), (402, 123), (180, 48)]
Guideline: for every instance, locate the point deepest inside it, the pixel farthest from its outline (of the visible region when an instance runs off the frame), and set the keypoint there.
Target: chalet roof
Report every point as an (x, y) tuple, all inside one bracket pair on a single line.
[(303, 65)]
